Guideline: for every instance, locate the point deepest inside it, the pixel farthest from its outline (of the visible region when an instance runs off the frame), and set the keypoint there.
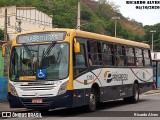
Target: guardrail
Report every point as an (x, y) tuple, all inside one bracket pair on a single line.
[(3, 88)]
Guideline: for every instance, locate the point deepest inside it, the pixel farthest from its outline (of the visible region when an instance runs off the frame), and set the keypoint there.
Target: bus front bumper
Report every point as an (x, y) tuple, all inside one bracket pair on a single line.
[(64, 100)]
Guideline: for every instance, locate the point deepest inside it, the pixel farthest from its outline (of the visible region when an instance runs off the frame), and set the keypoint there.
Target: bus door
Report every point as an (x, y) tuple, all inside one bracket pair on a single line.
[(79, 72)]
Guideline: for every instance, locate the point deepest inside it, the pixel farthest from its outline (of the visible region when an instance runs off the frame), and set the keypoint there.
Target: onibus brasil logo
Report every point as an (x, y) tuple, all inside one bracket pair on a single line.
[(114, 76)]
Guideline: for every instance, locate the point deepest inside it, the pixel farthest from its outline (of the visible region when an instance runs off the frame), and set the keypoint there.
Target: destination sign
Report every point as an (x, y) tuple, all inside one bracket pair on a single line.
[(41, 37)]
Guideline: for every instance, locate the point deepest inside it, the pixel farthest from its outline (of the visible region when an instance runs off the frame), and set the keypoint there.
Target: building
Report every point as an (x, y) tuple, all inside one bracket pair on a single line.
[(156, 67), (20, 19)]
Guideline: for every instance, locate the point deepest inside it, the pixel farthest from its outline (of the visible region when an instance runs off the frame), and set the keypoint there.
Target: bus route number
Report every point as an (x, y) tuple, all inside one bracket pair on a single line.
[(90, 77)]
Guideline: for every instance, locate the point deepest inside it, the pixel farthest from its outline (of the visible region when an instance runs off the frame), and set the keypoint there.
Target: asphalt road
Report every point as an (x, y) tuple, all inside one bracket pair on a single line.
[(112, 110)]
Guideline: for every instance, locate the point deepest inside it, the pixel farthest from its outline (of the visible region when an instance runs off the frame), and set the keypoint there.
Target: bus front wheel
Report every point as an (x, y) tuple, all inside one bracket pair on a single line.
[(92, 102)]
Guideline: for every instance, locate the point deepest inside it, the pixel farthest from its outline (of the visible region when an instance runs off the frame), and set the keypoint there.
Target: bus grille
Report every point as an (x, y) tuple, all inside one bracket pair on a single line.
[(37, 88), (41, 95)]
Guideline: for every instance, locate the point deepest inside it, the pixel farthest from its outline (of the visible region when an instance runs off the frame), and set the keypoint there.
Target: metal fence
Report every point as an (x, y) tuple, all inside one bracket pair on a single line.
[(3, 88)]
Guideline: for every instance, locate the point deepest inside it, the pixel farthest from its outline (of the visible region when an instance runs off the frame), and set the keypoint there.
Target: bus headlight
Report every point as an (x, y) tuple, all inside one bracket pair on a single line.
[(13, 90), (62, 88)]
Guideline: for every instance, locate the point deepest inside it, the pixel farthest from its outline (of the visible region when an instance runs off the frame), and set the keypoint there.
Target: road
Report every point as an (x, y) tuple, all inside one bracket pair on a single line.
[(111, 110)]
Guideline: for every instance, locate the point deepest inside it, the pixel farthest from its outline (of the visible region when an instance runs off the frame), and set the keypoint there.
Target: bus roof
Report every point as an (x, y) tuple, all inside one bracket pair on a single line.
[(94, 36), (111, 39)]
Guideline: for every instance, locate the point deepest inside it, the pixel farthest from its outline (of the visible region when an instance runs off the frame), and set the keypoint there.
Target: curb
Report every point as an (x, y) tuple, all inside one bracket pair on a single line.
[(151, 92)]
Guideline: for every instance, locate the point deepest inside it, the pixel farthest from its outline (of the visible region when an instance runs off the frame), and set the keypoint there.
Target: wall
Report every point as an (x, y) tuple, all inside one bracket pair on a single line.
[(1, 63), (11, 18), (3, 89)]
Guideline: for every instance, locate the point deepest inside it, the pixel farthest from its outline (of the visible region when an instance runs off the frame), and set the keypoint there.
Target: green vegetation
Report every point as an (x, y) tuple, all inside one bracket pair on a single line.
[(156, 36), (1, 35), (95, 17)]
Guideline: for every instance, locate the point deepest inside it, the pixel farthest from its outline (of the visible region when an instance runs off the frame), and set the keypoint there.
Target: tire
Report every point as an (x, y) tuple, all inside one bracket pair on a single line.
[(91, 107), (135, 97)]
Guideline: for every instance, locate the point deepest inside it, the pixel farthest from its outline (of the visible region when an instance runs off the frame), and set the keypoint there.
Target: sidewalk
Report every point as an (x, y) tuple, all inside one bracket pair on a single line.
[(152, 92)]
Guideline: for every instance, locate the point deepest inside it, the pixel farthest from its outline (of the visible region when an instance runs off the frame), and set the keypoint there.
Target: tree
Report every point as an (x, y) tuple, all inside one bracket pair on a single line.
[(1, 35)]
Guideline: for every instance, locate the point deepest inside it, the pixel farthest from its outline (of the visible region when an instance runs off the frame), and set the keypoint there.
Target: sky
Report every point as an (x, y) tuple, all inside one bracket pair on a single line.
[(145, 16)]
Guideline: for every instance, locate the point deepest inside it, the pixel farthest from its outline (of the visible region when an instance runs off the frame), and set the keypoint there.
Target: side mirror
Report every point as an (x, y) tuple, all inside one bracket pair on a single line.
[(4, 47), (77, 47), (3, 50)]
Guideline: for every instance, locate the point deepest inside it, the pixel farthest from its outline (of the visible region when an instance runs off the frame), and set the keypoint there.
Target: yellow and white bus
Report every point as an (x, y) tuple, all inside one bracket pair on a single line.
[(70, 68)]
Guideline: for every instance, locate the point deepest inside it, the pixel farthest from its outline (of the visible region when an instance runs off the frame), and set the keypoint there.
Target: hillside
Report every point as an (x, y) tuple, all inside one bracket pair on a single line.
[(131, 25)]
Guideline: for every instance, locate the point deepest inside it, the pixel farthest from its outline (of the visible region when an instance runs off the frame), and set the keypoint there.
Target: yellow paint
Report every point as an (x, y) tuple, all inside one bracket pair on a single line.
[(72, 34), (106, 73), (111, 39), (9, 89), (27, 78)]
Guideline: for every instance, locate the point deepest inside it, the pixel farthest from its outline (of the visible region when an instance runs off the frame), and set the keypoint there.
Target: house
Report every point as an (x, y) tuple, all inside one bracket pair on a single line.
[(20, 19)]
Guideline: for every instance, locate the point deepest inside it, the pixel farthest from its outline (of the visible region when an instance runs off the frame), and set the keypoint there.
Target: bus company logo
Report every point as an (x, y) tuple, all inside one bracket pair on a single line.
[(108, 76)]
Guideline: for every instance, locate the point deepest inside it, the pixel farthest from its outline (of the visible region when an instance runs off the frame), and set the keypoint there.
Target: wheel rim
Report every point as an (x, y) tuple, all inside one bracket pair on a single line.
[(92, 101)]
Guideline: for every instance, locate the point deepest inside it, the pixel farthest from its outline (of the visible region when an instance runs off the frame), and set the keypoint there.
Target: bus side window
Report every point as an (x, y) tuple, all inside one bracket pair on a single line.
[(120, 57), (130, 56), (147, 59), (139, 57), (108, 57), (79, 60), (94, 53)]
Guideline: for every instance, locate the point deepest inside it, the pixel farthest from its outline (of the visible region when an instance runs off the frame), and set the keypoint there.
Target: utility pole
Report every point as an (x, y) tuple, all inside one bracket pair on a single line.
[(115, 29), (152, 31), (78, 16), (5, 26)]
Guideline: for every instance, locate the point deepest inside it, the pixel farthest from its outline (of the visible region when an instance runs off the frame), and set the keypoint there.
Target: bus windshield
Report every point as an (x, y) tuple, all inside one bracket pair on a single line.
[(50, 59)]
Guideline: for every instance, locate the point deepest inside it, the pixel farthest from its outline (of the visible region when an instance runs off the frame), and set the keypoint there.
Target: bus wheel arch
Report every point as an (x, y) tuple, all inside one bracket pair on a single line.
[(95, 87), (136, 82)]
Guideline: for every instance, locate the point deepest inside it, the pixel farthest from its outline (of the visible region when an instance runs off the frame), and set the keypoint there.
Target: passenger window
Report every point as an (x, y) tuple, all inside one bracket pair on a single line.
[(108, 56), (139, 57), (120, 56), (94, 53), (130, 56), (147, 59)]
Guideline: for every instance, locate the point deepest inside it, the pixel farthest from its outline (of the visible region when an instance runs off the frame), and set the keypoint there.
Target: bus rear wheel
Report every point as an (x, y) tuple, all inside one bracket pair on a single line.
[(135, 97), (91, 107)]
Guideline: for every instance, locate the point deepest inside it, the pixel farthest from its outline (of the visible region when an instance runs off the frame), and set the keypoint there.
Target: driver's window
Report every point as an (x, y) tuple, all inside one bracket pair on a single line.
[(80, 60)]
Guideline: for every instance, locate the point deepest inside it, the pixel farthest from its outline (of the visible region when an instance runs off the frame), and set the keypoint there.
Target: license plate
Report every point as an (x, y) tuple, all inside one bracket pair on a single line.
[(36, 100)]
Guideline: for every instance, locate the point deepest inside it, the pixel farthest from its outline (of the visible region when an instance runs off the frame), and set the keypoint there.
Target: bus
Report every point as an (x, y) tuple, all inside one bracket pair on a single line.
[(50, 69)]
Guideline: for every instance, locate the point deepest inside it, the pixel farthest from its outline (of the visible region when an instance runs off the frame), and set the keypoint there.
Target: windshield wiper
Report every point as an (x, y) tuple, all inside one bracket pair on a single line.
[(45, 54), (28, 51), (49, 49)]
